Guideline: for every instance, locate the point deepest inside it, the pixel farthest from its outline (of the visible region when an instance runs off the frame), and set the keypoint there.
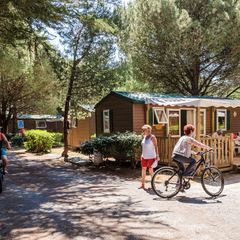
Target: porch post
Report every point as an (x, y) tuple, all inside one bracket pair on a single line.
[(147, 115), (198, 124), (213, 120)]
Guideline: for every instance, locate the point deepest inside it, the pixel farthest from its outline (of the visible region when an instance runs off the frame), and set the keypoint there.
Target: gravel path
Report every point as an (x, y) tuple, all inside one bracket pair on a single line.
[(45, 198)]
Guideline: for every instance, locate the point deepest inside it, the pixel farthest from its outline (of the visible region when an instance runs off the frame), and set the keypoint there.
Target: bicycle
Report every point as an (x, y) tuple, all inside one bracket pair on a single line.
[(168, 181)]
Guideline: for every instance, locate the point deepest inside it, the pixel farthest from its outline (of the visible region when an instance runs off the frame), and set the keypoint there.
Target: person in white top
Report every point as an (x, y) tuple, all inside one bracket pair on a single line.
[(149, 152), (182, 151)]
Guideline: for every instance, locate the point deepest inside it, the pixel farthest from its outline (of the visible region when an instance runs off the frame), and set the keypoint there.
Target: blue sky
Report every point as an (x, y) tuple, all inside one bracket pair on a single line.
[(55, 39)]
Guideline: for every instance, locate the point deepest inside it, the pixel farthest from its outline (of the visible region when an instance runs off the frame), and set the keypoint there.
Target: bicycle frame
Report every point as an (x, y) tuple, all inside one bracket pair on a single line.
[(199, 162)]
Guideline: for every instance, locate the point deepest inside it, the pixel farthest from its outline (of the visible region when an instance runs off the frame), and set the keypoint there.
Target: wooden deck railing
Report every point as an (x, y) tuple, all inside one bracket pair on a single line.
[(221, 157)]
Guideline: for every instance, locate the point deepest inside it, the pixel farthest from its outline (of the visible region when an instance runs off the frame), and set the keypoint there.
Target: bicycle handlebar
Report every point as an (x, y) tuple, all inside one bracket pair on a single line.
[(203, 153)]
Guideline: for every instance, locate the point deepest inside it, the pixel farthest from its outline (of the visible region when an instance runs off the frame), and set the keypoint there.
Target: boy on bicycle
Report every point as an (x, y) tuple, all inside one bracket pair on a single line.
[(183, 150)]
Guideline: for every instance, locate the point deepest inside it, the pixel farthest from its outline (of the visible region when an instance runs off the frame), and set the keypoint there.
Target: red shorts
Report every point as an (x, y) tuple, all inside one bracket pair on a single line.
[(147, 162)]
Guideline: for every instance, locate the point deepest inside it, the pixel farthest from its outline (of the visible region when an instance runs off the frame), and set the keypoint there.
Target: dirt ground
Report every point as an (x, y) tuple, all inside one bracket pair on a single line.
[(45, 198)]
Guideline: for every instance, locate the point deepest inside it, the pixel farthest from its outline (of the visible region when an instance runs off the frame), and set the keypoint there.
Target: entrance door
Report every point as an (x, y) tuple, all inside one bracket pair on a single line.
[(187, 117)]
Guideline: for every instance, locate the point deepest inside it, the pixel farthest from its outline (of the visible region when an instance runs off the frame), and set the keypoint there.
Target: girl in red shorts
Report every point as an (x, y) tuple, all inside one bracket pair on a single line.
[(149, 152)]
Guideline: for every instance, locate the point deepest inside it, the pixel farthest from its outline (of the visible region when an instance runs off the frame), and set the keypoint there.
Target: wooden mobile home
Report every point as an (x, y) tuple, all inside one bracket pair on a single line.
[(82, 127), (51, 123), (167, 114)]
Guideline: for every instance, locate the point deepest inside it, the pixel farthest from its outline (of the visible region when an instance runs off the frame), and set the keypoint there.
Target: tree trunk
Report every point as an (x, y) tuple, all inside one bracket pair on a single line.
[(66, 112), (4, 123), (14, 120)]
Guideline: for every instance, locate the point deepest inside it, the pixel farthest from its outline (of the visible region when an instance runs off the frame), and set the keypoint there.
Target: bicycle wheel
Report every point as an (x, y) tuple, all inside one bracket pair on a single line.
[(166, 182), (212, 181)]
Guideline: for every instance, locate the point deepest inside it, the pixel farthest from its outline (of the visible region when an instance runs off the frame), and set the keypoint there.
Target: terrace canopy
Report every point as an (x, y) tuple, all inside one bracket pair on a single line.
[(193, 102), (196, 102)]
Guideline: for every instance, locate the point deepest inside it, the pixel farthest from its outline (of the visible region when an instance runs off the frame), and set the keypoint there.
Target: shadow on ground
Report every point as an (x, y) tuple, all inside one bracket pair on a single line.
[(45, 199)]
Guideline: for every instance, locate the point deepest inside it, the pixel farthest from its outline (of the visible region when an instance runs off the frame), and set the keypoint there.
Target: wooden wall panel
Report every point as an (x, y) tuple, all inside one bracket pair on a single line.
[(122, 113)]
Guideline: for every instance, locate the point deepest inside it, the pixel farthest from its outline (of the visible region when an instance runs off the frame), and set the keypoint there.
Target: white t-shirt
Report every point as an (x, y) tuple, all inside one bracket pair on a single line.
[(183, 146)]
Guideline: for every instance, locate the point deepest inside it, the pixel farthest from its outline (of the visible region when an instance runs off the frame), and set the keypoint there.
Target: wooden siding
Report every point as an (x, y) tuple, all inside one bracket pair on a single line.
[(234, 121), (139, 117), (83, 132), (122, 114)]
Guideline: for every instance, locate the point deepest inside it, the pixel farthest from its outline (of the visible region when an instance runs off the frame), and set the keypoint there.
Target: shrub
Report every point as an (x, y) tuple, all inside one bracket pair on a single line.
[(38, 141), (86, 148), (17, 140), (9, 136), (125, 145), (58, 139), (121, 146)]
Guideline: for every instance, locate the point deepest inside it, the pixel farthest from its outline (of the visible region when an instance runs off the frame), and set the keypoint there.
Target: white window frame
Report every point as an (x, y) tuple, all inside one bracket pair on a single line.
[(176, 110), (37, 122), (221, 110), (204, 121), (106, 130), (155, 114)]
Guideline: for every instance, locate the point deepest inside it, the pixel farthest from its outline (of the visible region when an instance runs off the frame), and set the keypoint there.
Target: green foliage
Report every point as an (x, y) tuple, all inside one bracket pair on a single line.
[(58, 139), (93, 136), (20, 19), (188, 47), (38, 141), (30, 86), (17, 140), (121, 146), (9, 136)]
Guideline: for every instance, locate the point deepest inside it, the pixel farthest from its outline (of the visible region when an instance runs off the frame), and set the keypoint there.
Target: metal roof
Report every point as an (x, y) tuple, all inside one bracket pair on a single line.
[(88, 107), (174, 100), (39, 117)]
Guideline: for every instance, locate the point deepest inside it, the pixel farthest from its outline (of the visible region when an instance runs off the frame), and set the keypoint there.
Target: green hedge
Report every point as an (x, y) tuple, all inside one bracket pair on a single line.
[(58, 139), (121, 146), (38, 141), (17, 140)]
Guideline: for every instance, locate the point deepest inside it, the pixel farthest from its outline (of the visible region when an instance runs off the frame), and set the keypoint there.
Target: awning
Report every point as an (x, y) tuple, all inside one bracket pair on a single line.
[(193, 102)]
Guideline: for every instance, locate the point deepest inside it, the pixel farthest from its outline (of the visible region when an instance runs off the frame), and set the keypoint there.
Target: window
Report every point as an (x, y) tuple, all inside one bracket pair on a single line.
[(41, 124), (203, 122), (222, 119), (174, 122), (106, 121), (159, 116)]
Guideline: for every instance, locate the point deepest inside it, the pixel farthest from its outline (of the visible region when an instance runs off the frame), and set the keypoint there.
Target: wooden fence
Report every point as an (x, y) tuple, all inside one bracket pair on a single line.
[(221, 157)]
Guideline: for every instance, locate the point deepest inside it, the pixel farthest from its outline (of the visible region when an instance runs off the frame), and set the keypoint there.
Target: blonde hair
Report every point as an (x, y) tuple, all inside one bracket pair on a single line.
[(147, 127)]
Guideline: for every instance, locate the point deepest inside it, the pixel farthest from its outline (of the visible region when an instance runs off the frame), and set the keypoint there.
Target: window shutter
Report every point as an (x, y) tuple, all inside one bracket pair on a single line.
[(150, 116), (111, 120), (228, 119), (215, 121)]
